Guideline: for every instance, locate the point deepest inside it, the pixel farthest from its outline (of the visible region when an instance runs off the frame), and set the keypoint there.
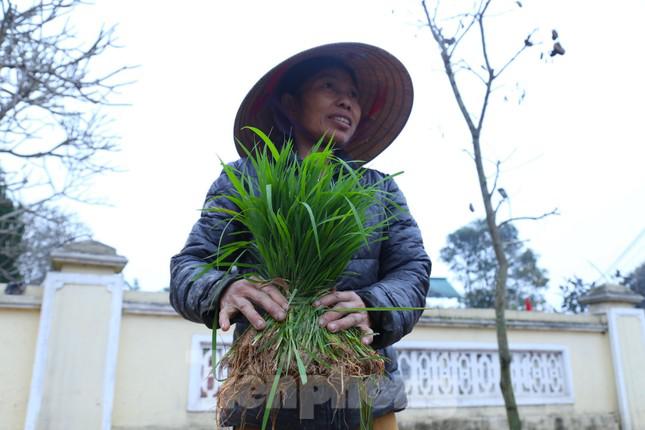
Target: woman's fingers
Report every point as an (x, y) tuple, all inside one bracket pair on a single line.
[(225, 314), (276, 295), (347, 321), (369, 335), (236, 304), (242, 295), (358, 319), (337, 321), (333, 298), (248, 310), (333, 314), (261, 298)]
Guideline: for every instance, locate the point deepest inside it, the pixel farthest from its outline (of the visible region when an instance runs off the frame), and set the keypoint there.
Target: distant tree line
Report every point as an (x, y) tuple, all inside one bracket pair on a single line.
[(576, 287), (469, 255)]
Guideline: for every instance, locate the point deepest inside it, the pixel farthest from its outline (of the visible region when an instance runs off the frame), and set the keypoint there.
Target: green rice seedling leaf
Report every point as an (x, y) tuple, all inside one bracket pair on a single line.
[(226, 211), (314, 227), (214, 343), (357, 218), (302, 371), (347, 168), (365, 407), (381, 309), (228, 250), (269, 199), (244, 148), (267, 141), (235, 181), (274, 388)]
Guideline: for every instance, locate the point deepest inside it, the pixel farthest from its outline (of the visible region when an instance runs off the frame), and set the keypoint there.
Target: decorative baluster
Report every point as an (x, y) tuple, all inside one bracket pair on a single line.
[(442, 376)]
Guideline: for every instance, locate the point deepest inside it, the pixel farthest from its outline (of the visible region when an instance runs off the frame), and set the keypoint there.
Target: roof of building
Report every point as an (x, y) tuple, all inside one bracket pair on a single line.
[(441, 288)]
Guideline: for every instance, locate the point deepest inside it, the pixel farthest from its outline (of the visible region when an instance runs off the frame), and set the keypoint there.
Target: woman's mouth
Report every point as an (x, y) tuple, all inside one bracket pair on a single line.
[(342, 120)]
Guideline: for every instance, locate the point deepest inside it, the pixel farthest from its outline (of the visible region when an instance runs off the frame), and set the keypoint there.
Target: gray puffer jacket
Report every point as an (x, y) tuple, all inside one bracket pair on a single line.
[(389, 273)]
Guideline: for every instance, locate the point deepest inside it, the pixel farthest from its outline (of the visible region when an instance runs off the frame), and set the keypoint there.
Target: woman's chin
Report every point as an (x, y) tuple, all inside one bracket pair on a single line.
[(340, 140)]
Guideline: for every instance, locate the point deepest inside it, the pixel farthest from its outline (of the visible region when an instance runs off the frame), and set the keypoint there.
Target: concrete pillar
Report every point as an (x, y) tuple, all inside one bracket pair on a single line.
[(72, 383), (627, 337), (610, 296)]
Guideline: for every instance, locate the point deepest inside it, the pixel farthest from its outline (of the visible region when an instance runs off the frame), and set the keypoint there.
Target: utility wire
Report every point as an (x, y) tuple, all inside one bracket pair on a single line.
[(626, 251)]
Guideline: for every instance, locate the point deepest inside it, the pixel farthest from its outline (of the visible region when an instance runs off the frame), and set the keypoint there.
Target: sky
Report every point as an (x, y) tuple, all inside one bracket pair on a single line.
[(574, 142)]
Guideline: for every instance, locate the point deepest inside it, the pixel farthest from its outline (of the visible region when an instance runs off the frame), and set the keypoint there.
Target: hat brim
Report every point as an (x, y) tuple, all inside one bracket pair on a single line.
[(386, 96)]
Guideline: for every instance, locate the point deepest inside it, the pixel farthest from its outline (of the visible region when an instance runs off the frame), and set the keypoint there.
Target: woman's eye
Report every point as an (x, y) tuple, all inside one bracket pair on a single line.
[(328, 85), (353, 94)]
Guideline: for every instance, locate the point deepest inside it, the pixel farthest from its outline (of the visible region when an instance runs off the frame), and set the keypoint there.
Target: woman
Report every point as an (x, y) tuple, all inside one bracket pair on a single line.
[(360, 96)]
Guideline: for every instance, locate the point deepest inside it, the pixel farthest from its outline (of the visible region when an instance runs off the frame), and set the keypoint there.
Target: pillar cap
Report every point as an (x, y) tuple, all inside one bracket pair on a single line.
[(88, 253), (611, 294)]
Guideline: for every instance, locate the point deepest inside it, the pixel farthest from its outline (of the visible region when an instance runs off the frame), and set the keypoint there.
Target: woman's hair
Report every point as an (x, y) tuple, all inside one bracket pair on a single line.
[(292, 81), (296, 76)]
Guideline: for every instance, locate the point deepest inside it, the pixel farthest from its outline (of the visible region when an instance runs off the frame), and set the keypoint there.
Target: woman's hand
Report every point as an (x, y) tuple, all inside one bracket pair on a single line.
[(243, 294), (337, 321)]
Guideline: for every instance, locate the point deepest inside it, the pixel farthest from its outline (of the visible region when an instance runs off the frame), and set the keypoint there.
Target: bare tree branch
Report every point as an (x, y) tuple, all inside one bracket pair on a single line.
[(494, 187), (459, 35), (465, 66), (517, 54), (446, 57), (526, 218), (489, 69), (51, 99)]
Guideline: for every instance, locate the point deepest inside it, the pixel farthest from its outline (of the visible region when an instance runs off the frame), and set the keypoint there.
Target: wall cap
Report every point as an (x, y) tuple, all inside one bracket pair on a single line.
[(88, 253), (611, 293), (31, 298), (517, 320)]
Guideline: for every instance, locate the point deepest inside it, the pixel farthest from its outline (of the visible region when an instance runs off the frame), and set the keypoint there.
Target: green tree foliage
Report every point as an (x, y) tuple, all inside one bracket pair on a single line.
[(11, 233), (636, 281), (469, 254), (572, 290), (576, 287), (28, 237)]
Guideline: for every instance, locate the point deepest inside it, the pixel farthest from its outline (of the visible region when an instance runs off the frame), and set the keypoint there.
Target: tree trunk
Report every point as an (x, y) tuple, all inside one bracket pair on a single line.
[(505, 383)]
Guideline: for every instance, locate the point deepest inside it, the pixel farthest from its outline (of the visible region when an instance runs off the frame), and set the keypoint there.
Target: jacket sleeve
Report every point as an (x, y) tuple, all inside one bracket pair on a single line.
[(196, 297), (404, 273)]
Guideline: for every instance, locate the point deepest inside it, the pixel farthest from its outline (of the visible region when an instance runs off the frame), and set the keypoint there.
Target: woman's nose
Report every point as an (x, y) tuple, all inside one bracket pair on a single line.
[(345, 101)]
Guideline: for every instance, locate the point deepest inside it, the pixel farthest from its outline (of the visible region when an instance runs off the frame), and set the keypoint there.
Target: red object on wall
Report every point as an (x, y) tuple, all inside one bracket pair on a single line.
[(527, 304)]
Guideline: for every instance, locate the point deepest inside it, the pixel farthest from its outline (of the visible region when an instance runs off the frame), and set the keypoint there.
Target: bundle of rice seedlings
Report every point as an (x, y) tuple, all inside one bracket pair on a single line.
[(301, 222)]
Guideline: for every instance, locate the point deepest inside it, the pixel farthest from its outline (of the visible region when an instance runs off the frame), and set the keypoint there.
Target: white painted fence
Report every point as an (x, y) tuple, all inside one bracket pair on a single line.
[(467, 374), (436, 374)]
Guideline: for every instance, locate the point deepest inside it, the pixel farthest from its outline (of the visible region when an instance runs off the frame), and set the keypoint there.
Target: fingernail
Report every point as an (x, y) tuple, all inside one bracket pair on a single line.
[(259, 324), (281, 315), (332, 327), (321, 321), (316, 303)]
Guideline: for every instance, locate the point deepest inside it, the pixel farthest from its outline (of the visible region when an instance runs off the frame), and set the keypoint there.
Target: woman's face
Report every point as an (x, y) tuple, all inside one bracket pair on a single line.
[(327, 104)]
